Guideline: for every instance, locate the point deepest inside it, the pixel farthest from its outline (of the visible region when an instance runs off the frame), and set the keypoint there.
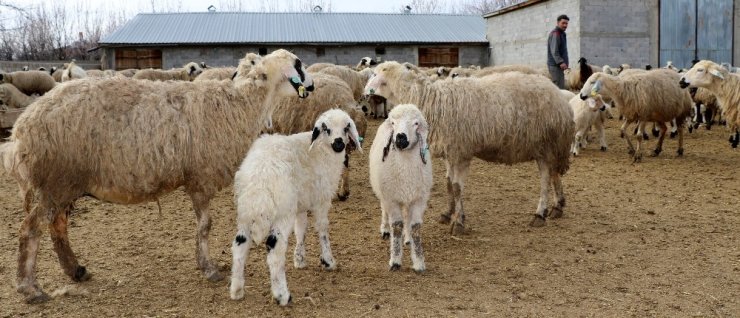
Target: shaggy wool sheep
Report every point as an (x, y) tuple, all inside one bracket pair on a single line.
[(217, 74), (73, 72), (187, 73), (356, 80), (11, 97), (577, 76), (587, 113), (29, 82), (401, 177), (507, 118), (127, 142), (718, 81), (281, 179), (292, 115), (646, 97), (567, 95)]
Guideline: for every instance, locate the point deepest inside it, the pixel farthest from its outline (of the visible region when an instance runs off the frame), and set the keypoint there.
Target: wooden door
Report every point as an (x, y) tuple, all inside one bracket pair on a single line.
[(439, 56)]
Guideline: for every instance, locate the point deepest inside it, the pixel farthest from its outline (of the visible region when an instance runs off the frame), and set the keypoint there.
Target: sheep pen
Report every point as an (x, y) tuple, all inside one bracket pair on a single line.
[(145, 140), (507, 118)]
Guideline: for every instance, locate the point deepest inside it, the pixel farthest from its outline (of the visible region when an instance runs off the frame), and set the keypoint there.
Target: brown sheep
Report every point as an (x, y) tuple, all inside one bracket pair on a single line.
[(127, 142), (506, 118)]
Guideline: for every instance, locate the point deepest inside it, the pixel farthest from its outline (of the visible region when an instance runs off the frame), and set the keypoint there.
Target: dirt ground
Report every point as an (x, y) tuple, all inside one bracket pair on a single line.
[(659, 238)]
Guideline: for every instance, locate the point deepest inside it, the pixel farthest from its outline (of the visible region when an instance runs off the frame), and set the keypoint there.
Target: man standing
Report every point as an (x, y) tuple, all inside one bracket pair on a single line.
[(557, 52)]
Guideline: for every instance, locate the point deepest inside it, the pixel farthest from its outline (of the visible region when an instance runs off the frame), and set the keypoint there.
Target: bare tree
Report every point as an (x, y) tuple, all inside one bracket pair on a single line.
[(481, 7)]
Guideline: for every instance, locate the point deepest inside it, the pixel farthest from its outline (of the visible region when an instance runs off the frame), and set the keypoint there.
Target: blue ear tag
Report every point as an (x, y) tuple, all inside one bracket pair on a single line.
[(295, 79), (372, 91), (361, 139)]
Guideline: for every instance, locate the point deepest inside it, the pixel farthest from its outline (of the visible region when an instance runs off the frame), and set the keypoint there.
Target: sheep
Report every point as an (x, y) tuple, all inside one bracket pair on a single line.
[(292, 115), (130, 72), (366, 62), (126, 142), (706, 107), (316, 67), (507, 68), (281, 179), (187, 73), (647, 96), (56, 73), (377, 105), (507, 118), (246, 63), (401, 178), (29, 82), (11, 97), (356, 80), (95, 73), (723, 84), (587, 113), (575, 77), (669, 65), (217, 73), (72, 72), (41, 68), (24, 68), (615, 71), (567, 95)]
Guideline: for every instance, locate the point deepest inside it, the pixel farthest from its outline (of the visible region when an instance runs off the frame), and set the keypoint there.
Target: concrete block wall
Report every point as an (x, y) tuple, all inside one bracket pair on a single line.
[(520, 36)]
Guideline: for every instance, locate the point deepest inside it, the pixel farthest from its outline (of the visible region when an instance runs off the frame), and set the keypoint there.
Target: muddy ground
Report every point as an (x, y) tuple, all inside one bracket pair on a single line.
[(659, 238)]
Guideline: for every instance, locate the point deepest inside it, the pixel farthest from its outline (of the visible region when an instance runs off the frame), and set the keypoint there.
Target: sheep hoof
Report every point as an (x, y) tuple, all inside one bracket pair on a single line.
[(673, 135), (637, 158), (656, 152), (215, 276), (457, 228), (556, 213), (343, 197), (38, 298), (420, 269), (81, 274), (680, 152), (445, 218), (631, 151), (385, 235), (328, 265), (621, 134), (709, 127), (646, 137), (279, 300), (603, 148), (395, 267), (656, 133), (538, 221)]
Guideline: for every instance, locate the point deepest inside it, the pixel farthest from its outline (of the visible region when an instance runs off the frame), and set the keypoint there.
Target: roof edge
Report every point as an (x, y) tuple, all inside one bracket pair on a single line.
[(312, 13), (118, 45), (512, 8)]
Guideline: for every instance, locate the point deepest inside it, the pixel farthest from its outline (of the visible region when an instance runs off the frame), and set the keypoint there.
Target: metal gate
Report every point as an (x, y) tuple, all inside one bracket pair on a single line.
[(695, 29)]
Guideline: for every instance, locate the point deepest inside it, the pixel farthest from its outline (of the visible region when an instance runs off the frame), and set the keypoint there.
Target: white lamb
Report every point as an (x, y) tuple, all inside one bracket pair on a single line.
[(279, 181), (587, 113), (401, 177)]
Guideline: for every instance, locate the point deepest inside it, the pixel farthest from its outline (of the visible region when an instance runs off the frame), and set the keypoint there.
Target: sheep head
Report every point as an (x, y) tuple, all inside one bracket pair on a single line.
[(283, 70), (408, 128), (594, 86), (193, 69), (703, 74), (366, 62), (335, 129), (383, 74), (597, 103)]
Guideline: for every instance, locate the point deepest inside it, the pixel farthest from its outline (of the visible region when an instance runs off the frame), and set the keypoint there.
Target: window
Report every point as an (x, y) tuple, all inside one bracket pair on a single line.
[(262, 51), (380, 50), (320, 51)]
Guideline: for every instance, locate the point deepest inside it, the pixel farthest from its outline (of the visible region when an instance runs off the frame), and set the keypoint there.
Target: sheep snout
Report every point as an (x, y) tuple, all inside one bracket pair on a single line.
[(583, 97), (683, 83), (338, 145), (402, 141)]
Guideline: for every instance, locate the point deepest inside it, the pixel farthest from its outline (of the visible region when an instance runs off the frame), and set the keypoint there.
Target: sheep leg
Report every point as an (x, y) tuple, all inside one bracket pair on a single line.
[(344, 181), (396, 219), (203, 222), (416, 216), (62, 247), (674, 128), (679, 126), (663, 131), (299, 254), (461, 170), (385, 231), (240, 251), (709, 114), (541, 214), (656, 132), (557, 184), (30, 234), (623, 129), (445, 218), (321, 216), (602, 135), (277, 245)]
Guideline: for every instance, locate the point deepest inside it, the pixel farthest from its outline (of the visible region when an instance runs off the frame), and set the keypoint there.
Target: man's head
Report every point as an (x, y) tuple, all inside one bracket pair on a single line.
[(563, 21)]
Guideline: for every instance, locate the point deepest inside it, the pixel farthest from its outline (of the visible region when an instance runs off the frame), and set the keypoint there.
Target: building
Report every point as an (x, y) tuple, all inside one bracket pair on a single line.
[(166, 40), (637, 32)]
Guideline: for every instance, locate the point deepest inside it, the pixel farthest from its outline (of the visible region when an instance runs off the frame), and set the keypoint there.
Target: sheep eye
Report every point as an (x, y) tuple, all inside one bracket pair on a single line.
[(416, 123), (701, 70)]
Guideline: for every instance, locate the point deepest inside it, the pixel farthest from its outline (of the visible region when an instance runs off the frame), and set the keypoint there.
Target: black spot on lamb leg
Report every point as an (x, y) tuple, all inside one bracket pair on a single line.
[(271, 241)]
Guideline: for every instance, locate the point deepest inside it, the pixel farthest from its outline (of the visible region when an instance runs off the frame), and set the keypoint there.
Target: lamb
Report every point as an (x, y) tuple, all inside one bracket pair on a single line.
[(647, 96), (279, 181), (356, 80), (506, 118), (217, 74), (377, 105), (293, 115), (366, 62), (401, 177), (133, 141), (11, 97), (587, 113), (72, 72), (723, 84), (29, 82), (575, 77), (187, 73)]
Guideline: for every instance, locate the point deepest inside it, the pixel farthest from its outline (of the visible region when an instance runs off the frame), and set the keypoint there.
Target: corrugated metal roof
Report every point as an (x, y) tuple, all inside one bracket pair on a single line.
[(254, 27)]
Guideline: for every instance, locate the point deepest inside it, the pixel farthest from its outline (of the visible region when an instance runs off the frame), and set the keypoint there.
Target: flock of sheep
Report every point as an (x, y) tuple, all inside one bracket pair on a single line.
[(282, 135)]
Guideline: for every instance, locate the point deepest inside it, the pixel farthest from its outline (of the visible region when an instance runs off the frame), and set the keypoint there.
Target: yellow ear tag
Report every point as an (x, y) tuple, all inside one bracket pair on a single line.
[(593, 93), (301, 90)]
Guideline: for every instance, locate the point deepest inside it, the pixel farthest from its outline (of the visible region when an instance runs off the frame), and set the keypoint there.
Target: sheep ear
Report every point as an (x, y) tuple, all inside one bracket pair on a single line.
[(233, 76), (192, 69), (591, 102), (596, 87), (422, 133), (314, 136), (354, 135), (203, 65), (372, 62), (717, 73)]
